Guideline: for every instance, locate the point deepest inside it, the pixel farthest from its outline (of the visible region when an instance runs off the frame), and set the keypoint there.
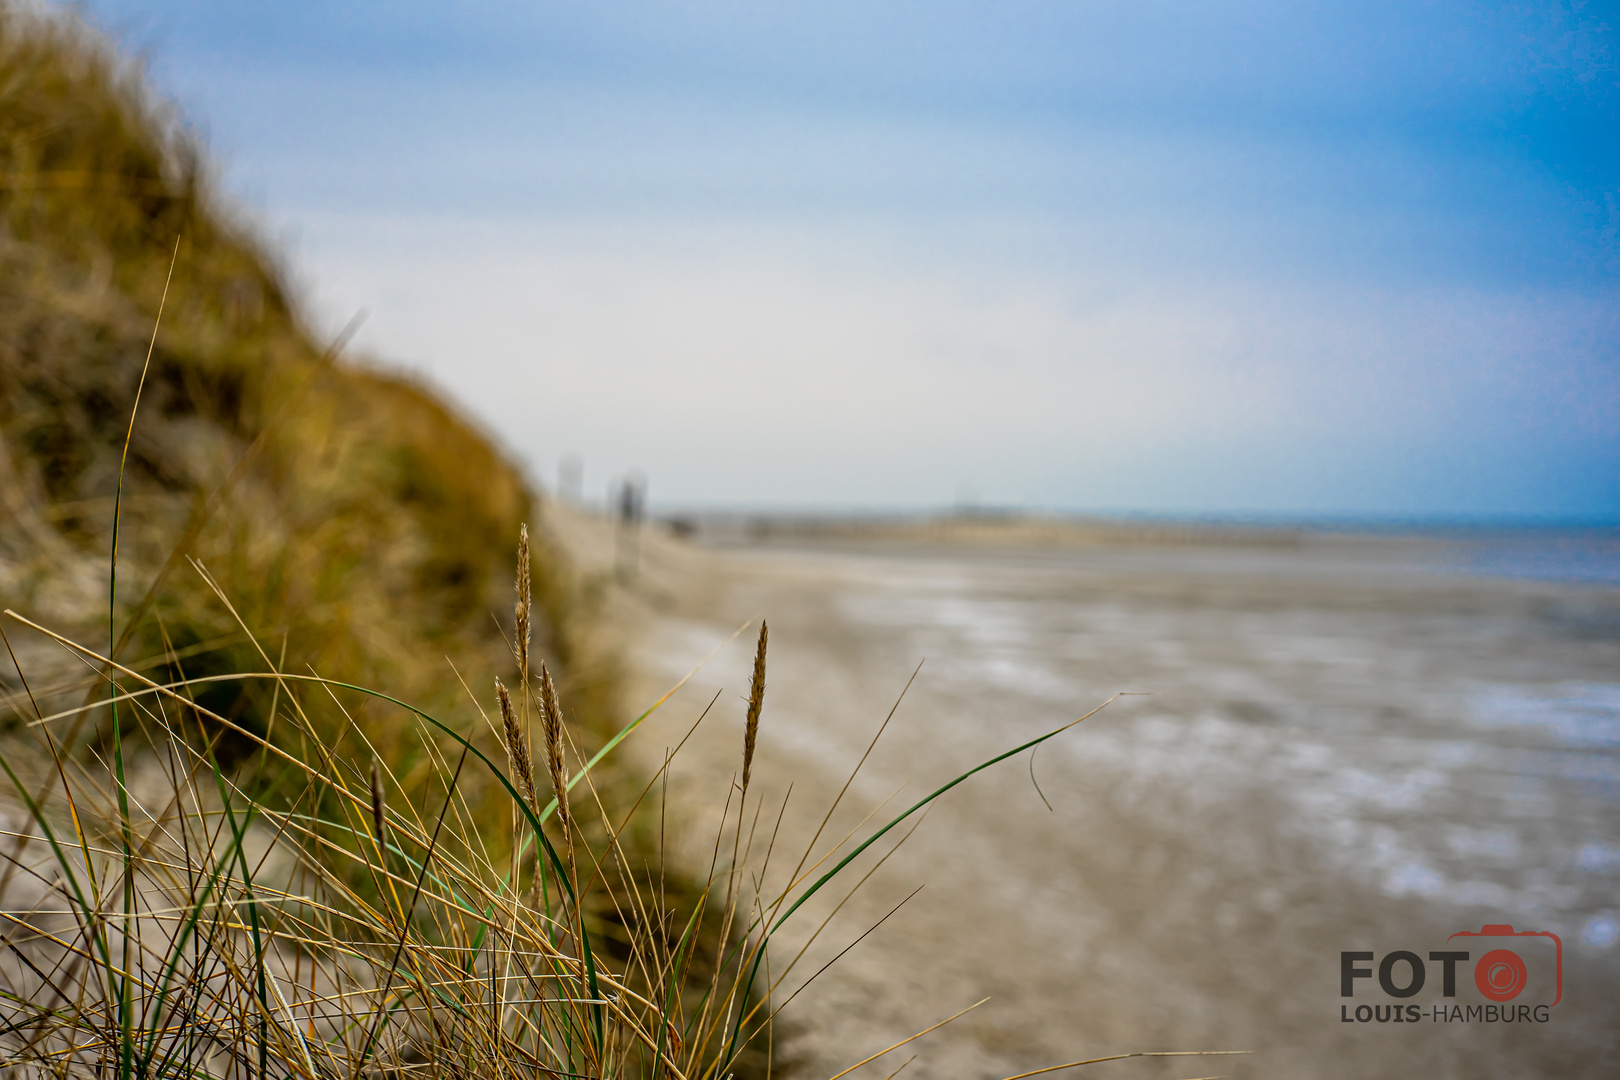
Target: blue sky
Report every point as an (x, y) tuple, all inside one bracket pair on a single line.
[(1166, 257)]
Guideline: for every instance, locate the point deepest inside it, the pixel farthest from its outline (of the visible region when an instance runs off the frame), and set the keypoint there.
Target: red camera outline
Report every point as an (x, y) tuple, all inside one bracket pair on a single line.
[(1505, 930)]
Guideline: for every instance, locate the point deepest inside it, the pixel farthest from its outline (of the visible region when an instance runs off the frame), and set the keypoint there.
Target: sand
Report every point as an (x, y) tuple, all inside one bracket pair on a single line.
[(1346, 746)]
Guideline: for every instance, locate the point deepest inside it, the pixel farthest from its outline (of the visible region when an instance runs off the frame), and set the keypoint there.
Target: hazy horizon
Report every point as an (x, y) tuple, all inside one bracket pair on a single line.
[(666, 508), (1356, 261)]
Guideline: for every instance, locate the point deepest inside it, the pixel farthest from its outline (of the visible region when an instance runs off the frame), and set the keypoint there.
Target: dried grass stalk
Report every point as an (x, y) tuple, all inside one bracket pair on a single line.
[(377, 801), (756, 702), (551, 711), (517, 748), (521, 609)]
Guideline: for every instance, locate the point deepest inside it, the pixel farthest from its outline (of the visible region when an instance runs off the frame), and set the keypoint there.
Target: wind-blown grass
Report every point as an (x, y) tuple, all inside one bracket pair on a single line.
[(183, 925)]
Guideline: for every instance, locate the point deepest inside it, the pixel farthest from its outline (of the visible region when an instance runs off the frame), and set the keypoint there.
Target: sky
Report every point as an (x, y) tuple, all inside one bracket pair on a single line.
[(1206, 258)]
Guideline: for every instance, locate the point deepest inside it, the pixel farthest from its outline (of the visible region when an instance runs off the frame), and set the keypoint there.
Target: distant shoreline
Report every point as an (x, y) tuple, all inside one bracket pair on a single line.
[(1572, 553), (972, 528), (1107, 527)]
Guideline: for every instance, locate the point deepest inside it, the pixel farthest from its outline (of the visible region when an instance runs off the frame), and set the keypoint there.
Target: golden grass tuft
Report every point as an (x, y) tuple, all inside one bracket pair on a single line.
[(348, 511), (171, 920)]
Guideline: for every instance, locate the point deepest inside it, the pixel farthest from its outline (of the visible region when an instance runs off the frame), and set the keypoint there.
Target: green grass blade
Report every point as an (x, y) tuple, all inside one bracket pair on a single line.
[(815, 887)]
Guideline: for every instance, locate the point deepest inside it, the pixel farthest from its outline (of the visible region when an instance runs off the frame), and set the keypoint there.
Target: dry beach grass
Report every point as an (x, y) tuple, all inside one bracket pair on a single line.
[(183, 921)]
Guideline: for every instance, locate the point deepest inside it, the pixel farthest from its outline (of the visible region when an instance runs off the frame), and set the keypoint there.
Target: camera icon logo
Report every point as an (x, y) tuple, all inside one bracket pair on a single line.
[(1501, 974)]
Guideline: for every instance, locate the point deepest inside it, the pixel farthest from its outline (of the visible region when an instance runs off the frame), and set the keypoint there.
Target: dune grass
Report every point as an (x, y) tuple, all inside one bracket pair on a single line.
[(186, 921), (343, 505)]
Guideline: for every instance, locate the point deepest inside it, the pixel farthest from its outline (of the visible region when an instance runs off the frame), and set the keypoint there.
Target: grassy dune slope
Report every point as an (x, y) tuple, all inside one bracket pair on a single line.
[(349, 512)]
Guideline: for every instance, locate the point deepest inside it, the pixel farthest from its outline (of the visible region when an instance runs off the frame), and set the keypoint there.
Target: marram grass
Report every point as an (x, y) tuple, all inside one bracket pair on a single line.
[(177, 923)]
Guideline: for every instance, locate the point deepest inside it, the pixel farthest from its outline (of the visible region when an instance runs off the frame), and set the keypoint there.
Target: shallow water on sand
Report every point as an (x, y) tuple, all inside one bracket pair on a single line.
[(1359, 744)]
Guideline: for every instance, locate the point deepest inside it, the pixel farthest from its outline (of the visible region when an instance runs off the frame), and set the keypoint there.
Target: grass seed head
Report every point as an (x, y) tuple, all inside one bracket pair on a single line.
[(517, 748), (377, 801), (521, 610), (756, 702), (552, 715)]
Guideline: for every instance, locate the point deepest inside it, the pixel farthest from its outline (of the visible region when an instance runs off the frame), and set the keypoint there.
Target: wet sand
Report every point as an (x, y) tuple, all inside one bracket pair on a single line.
[(1346, 747)]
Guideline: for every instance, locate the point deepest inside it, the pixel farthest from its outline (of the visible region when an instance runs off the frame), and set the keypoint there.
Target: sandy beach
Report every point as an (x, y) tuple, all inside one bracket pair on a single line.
[(1341, 743)]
